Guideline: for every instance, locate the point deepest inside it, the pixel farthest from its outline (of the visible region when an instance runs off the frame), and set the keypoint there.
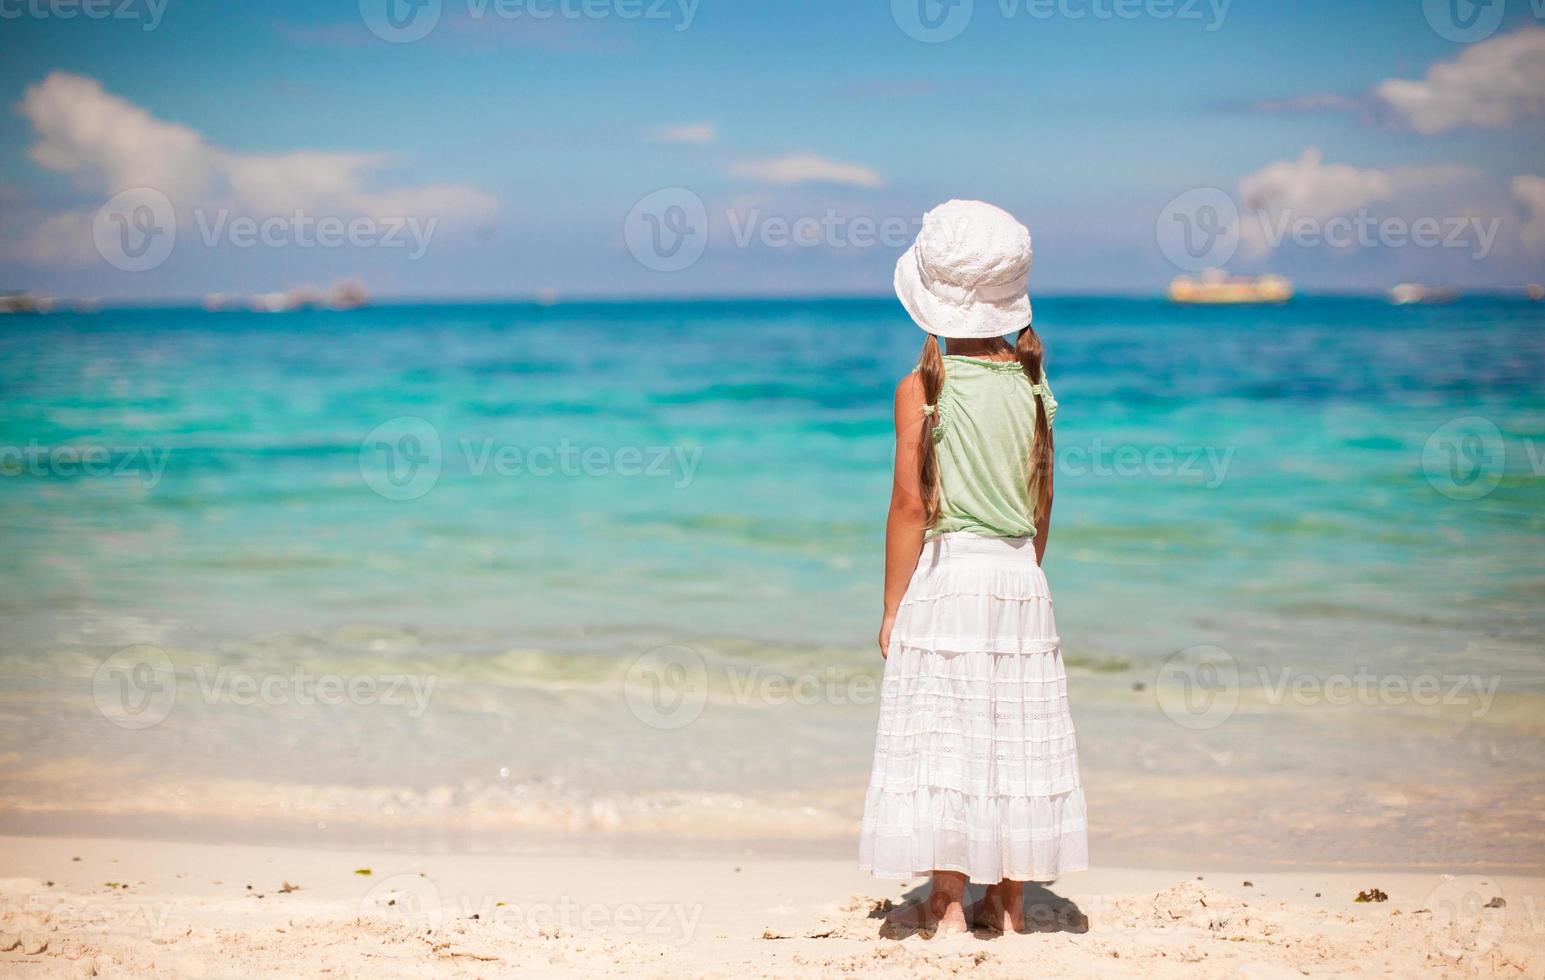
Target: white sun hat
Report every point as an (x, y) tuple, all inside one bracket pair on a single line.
[(966, 274)]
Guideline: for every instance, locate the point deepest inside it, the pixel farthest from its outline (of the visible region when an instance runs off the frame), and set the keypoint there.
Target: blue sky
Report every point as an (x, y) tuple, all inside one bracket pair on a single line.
[(521, 145)]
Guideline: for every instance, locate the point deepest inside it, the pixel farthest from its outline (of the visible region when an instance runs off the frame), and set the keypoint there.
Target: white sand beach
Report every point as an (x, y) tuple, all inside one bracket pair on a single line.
[(129, 908)]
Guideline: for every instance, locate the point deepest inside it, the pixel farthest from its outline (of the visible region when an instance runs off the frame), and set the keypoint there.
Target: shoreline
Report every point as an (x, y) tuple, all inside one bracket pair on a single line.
[(1292, 787), (132, 907), (515, 845)]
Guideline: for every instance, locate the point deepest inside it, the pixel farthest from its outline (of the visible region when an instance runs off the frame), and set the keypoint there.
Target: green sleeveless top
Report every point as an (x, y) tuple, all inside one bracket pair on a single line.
[(986, 421)]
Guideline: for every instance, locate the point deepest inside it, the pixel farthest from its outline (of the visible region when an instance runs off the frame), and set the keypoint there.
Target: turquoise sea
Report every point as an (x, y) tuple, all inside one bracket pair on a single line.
[(516, 502)]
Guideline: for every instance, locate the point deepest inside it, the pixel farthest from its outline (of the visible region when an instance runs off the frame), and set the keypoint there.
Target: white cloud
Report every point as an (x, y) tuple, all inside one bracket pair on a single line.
[(1306, 187), (110, 144), (806, 168), (700, 132), (1493, 83), (1530, 192), (1274, 199), (279, 181), (1312, 187)]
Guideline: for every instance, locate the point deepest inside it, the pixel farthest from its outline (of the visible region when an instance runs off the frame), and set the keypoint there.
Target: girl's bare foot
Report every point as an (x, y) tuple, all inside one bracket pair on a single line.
[(1002, 908), (947, 903), (928, 918), (948, 913), (942, 913)]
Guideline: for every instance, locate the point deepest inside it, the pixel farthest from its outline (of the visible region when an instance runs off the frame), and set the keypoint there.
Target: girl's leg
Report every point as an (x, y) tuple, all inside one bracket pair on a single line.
[(946, 902), (941, 913), (1003, 907)]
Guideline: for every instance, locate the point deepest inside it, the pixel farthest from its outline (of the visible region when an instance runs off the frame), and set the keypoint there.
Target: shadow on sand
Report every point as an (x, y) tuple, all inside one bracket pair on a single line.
[(1045, 911)]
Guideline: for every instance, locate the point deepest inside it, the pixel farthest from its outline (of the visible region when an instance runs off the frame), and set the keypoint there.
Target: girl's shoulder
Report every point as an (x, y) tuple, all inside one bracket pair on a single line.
[(909, 391), (1009, 364)]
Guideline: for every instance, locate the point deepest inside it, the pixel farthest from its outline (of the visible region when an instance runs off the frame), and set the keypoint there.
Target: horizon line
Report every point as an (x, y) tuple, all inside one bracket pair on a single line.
[(78, 304)]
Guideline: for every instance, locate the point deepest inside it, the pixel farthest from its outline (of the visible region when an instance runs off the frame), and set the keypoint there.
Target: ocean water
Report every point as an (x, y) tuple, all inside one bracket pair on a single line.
[(505, 507)]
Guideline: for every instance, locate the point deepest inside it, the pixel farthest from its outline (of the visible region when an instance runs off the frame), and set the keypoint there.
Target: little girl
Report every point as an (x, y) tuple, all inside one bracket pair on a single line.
[(975, 768)]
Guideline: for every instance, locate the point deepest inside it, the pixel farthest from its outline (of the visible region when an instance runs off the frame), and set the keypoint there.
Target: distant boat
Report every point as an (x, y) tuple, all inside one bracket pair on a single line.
[(347, 294), (275, 302), (1214, 287), (1535, 291), (1411, 292), (24, 302), (17, 302)]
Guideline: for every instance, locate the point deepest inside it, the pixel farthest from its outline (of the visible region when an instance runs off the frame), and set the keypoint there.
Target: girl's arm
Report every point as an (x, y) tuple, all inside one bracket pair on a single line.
[(904, 528), (1043, 532)]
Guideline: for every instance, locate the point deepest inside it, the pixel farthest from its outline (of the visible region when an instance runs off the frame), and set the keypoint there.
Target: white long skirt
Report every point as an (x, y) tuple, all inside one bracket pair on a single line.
[(975, 765)]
